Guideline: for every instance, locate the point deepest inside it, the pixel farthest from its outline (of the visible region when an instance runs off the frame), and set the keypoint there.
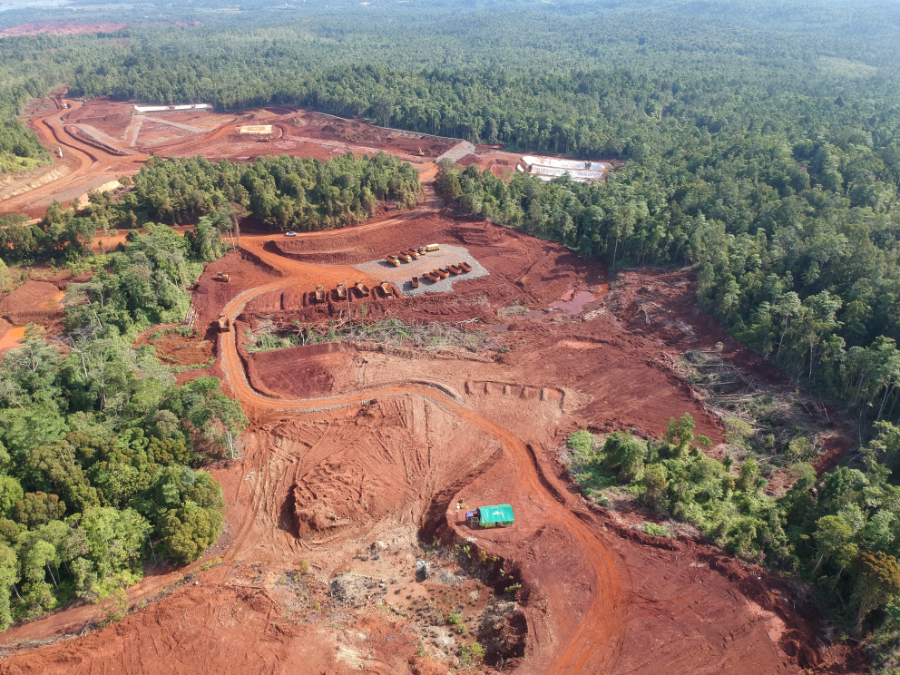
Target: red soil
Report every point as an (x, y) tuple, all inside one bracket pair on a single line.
[(62, 28)]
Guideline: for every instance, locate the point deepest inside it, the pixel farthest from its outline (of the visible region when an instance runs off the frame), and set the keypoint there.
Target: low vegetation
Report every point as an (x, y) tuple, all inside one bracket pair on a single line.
[(840, 532)]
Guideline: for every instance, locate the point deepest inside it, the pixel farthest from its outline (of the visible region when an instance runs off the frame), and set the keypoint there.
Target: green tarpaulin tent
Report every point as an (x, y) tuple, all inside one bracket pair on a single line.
[(492, 516)]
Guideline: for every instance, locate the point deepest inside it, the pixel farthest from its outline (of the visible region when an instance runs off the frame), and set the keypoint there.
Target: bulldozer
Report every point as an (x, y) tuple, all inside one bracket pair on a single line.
[(221, 276), (224, 323)]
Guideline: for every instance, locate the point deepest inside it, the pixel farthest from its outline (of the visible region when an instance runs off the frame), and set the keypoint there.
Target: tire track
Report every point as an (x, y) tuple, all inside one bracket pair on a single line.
[(597, 643)]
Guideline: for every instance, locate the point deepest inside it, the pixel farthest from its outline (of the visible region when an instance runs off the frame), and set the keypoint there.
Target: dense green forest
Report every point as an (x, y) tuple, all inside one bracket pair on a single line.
[(840, 532), (98, 445)]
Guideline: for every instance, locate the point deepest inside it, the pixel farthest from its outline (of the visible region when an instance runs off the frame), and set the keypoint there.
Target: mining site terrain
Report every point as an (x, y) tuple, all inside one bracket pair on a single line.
[(363, 455)]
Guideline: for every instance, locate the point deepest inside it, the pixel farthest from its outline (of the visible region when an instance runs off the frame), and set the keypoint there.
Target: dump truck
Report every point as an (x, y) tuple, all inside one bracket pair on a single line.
[(422, 250), (362, 289), (499, 515), (404, 257), (412, 253), (454, 269), (387, 289), (415, 282), (465, 267), (432, 247), (443, 274), (320, 294), (393, 260), (432, 277), (224, 323), (221, 276), (341, 291)]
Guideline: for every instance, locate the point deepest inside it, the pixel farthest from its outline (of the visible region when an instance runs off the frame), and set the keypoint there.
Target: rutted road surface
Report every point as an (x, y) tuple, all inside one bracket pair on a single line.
[(594, 647)]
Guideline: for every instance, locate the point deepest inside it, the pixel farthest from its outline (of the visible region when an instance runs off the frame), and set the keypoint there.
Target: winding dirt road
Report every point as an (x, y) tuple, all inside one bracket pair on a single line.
[(594, 647)]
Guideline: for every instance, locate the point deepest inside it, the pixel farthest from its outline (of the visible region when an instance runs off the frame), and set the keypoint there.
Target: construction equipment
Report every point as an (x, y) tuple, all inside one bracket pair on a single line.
[(405, 257), (224, 323), (432, 247), (221, 276), (393, 260), (465, 267), (387, 289), (320, 294), (415, 282), (454, 269), (412, 253), (362, 289), (443, 274), (500, 515), (423, 250), (432, 277), (341, 291)]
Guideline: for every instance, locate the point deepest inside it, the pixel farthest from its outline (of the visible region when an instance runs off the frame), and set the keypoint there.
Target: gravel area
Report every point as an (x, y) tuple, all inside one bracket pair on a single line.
[(401, 276)]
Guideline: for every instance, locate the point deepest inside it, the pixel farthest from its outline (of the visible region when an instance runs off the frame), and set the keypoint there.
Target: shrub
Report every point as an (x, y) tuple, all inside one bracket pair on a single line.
[(581, 441), (655, 530)]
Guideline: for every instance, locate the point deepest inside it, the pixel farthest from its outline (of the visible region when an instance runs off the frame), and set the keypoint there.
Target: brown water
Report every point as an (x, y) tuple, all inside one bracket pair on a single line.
[(574, 305), (12, 338)]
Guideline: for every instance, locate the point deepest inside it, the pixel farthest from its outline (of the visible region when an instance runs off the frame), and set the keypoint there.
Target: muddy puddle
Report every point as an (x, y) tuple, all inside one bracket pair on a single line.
[(13, 338), (575, 302)]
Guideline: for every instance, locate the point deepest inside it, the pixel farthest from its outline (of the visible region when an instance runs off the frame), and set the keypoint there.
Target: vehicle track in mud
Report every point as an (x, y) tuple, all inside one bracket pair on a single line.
[(598, 640)]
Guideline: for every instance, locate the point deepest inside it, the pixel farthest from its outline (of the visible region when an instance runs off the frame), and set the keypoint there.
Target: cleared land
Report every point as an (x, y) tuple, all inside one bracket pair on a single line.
[(361, 450)]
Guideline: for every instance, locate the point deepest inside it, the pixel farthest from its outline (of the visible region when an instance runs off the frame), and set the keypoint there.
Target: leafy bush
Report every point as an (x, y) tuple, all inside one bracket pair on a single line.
[(655, 530)]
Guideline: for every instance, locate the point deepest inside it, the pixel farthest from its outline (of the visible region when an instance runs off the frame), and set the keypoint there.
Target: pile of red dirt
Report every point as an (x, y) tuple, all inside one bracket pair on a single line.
[(32, 302)]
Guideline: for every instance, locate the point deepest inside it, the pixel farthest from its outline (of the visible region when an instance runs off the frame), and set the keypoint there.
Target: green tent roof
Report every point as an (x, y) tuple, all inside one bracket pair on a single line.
[(501, 513)]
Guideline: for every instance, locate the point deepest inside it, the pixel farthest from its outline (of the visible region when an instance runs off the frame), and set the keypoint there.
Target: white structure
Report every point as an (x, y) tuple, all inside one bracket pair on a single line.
[(171, 108), (548, 168), (256, 129)]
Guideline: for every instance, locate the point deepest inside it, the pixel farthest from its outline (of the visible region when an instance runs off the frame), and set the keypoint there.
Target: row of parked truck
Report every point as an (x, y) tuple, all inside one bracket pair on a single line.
[(411, 254)]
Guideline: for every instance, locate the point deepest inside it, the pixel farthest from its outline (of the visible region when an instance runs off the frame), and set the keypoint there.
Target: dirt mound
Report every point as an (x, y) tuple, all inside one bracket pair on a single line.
[(32, 302)]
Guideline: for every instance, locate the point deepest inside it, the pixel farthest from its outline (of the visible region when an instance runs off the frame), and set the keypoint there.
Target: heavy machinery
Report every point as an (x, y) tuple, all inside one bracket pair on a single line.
[(362, 289), (415, 282), (499, 515), (432, 247), (432, 277), (405, 257), (465, 267), (454, 269), (412, 253), (221, 276), (224, 323), (320, 294), (393, 260), (387, 288), (443, 274), (341, 291)]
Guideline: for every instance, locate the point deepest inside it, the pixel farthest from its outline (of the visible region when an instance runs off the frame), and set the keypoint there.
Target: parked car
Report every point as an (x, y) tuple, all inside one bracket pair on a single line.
[(290, 234)]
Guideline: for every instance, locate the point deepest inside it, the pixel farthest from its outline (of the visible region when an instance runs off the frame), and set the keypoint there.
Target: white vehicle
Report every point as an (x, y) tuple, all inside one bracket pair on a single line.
[(290, 234)]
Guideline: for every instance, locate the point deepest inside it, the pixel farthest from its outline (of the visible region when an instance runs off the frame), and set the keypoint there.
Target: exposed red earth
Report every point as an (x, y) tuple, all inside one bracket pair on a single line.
[(62, 28), (358, 453)]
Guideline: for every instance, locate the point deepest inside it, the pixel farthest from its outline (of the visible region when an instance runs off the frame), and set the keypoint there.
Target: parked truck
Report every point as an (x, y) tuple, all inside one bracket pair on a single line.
[(224, 323)]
